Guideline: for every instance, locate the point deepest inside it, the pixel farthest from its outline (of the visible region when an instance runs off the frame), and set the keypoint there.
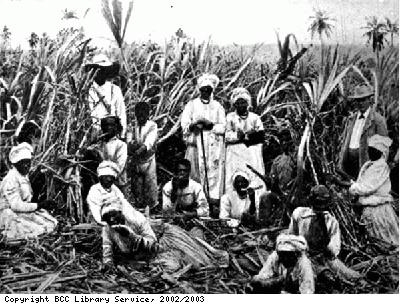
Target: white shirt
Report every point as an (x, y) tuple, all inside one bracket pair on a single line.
[(232, 206), (113, 98), (192, 193), (357, 130)]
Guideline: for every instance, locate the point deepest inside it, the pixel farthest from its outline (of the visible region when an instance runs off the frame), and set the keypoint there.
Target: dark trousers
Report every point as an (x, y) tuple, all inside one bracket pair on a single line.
[(351, 164)]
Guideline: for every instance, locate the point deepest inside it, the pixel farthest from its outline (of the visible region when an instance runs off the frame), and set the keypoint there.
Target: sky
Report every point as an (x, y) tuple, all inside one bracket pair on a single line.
[(226, 21)]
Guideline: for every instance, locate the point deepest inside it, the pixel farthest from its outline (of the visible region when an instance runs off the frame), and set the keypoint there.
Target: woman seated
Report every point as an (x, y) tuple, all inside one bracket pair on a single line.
[(239, 205), (373, 188), (287, 269), (19, 217), (128, 230)]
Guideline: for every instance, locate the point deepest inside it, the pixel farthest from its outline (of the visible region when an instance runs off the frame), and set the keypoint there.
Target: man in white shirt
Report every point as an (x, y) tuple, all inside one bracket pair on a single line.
[(361, 125), (105, 98)]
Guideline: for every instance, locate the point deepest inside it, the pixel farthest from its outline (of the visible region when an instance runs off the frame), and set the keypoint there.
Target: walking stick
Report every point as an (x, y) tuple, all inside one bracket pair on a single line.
[(205, 165)]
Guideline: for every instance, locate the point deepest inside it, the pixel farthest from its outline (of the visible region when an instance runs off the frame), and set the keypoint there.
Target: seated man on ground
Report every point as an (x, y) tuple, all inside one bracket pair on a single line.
[(287, 269), (183, 197), (19, 217), (321, 230), (129, 231)]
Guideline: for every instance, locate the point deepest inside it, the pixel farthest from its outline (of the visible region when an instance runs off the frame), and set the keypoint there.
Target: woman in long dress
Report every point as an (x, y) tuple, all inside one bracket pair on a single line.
[(19, 217), (244, 138), (373, 189), (203, 123)]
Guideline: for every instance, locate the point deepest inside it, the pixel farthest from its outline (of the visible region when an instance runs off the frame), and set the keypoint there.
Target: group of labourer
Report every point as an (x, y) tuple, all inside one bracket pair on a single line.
[(223, 165)]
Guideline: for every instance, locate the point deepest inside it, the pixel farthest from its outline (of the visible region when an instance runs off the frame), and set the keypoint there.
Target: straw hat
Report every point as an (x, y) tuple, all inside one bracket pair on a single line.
[(362, 91)]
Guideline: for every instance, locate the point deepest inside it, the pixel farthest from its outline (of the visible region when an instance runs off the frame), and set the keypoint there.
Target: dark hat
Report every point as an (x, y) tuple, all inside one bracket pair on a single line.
[(320, 192)]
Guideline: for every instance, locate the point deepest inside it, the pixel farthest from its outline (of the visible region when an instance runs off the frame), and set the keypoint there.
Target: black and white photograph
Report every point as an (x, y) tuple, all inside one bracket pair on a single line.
[(186, 148)]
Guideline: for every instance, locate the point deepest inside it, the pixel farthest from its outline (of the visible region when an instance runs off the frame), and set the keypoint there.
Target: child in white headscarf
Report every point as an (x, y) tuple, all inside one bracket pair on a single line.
[(19, 217)]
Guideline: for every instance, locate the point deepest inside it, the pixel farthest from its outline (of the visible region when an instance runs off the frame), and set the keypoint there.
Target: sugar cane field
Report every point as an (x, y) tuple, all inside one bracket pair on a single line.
[(304, 90)]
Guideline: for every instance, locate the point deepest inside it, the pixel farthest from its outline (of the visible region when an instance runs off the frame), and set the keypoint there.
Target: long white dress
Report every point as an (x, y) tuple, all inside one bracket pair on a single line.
[(238, 155), (373, 186), (19, 217), (213, 144)]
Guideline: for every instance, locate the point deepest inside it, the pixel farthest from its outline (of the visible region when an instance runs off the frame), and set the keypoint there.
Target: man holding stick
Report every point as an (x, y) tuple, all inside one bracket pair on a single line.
[(203, 124)]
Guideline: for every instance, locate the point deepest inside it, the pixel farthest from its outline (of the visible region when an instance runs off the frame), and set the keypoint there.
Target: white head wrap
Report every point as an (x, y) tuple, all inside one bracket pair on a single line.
[(240, 173), (100, 60), (291, 243), (22, 151), (207, 79), (240, 92), (108, 167), (381, 143)]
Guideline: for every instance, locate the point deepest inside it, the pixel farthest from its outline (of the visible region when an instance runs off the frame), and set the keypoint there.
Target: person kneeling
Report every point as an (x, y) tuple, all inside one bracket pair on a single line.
[(287, 269), (321, 230), (239, 205), (123, 226)]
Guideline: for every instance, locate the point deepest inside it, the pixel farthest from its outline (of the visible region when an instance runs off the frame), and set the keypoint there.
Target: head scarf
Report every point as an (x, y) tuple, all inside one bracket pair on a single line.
[(240, 92), (240, 173), (381, 143), (291, 243), (100, 60), (108, 168), (207, 79), (22, 151)]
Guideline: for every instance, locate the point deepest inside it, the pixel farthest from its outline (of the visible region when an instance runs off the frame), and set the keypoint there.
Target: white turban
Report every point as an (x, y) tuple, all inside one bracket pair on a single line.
[(108, 167), (291, 243), (22, 151), (240, 173), (207, 79), (100, 60), (240, 92), (381, 143)]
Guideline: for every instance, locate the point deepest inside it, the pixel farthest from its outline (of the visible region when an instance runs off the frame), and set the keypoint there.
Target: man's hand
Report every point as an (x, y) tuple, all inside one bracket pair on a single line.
[(240, 135), (133, 146), (46, 204), (207, 125), (122, 230), (141, 150), (188, 215), (107, 267)]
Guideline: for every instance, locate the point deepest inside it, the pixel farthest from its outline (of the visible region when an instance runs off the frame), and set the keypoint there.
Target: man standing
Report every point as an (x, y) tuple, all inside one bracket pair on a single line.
[(360, 126), (105, 98), (203, 123)]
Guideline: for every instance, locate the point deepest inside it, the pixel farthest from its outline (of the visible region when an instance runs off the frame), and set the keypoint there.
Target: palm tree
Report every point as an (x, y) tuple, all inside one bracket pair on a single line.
[(376, 32), (321, 24), (33, 40), (392, 28), (69, 15)]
